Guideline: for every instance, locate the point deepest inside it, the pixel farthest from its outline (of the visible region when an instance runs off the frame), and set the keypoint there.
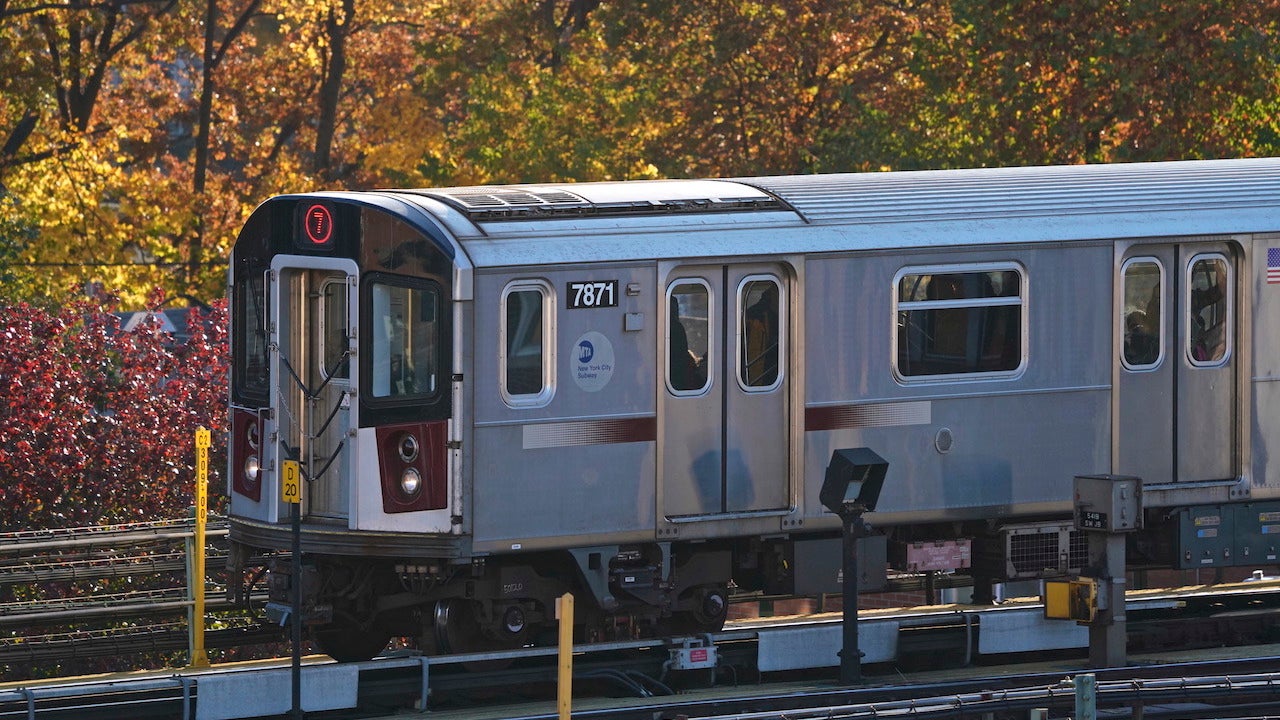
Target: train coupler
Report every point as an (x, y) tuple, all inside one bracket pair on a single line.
[(282, 613)]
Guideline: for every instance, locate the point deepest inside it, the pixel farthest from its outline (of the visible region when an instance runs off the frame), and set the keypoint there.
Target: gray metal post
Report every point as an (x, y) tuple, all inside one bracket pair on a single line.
[(1086, 697), (1107, 633)]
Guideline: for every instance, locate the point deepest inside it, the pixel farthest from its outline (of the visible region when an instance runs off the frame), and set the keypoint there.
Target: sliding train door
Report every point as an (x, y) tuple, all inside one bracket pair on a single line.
[(1177, 394), (723, 403), (313, 378)]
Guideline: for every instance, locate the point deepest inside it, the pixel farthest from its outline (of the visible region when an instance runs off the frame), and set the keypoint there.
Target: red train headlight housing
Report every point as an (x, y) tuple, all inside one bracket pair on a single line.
[(413, 466), (246, 464)]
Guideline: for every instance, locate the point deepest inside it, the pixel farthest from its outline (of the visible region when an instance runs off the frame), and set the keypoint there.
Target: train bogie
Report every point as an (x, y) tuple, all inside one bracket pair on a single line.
[(631, 391)]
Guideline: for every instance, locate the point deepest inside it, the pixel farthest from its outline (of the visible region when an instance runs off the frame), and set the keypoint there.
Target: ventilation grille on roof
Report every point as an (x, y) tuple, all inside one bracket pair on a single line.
[(487, 204), (502, 197)]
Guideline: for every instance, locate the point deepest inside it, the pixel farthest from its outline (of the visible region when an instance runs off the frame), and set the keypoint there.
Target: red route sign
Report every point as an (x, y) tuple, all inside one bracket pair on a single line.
[(318, 224)]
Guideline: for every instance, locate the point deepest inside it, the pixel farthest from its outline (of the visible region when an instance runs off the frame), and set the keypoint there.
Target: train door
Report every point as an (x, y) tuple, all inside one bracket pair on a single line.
[(313, 378), (1177, 397), (724, 395)]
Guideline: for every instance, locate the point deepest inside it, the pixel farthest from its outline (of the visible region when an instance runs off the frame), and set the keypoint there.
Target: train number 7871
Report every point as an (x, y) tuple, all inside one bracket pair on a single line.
[(593, 294)]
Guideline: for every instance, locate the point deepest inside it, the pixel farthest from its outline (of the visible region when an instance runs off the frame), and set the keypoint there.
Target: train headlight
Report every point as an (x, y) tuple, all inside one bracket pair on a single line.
[(408, 448), (410, 482), (251, 469)]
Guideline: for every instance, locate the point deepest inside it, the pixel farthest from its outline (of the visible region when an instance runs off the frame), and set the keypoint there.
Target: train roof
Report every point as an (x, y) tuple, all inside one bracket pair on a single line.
[(657, 219)]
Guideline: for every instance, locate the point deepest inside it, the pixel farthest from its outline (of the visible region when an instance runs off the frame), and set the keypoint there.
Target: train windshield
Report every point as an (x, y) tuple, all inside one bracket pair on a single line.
[(406, 339)]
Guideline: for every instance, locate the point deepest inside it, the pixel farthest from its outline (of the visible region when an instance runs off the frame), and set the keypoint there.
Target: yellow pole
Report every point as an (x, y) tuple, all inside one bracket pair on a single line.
[(198, 656), (564, 695)]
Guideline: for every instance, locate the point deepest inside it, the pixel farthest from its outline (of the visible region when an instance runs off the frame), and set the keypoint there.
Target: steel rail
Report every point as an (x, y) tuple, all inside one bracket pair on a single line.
[(100, 568), (98, 540)]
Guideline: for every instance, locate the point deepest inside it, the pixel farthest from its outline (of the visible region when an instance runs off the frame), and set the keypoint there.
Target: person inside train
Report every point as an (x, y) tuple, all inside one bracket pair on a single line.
[(684, 369)]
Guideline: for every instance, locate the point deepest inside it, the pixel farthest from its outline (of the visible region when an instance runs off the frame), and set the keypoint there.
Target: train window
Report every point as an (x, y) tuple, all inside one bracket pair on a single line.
[(526, 340), (688, 336), (1209, 310), (333, 329), (955, 320), (760, 333), (250, 334), (1143, 315), (405, 354)]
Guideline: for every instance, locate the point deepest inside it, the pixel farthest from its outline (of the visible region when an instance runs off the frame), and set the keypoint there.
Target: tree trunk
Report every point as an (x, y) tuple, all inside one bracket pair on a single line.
[(337, 28)]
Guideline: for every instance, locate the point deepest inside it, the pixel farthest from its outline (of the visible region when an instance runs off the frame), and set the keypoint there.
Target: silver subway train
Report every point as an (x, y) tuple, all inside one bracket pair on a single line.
[(631, 391)]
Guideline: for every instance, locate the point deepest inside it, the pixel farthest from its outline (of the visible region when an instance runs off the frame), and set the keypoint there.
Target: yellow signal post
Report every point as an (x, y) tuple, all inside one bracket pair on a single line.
[(199, 658), (564, 692)]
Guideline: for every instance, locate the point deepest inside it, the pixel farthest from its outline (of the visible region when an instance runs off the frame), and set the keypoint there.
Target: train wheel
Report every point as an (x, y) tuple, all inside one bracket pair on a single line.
[(350, 643), (707, 613), (458, 629)]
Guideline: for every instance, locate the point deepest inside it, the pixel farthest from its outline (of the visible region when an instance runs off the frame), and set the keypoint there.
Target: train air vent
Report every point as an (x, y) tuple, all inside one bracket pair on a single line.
[(1043, 549), (481, 199), (525, 203)]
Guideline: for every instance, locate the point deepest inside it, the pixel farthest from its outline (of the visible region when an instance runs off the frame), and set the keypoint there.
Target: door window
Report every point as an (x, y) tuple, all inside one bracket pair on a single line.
[(333, 330), (1143, 313), (1209, 310), (759, 328), (688, 337)]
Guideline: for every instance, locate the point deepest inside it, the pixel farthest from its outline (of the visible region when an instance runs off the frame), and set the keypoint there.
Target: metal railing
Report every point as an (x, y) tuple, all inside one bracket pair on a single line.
[(105, 590)]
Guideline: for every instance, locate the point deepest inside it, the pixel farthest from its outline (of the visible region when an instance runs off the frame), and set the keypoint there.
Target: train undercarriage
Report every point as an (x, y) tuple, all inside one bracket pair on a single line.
[(353, 606)]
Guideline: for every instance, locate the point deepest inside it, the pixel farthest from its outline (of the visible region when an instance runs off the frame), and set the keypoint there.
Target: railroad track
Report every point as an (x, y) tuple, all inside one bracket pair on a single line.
[(57, 606), (1184, 686), (154, 619)]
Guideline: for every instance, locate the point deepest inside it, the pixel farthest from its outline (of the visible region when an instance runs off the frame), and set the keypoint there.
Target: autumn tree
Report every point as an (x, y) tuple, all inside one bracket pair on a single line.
[(136, 135), (583, 90), (1042, 82)]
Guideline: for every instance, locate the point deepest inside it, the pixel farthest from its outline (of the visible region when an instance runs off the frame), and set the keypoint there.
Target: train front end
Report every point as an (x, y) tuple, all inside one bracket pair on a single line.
[(341, 400)]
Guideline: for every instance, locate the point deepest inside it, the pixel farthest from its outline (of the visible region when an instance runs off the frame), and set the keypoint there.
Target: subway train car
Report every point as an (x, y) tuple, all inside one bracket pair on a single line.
[(485, 397)]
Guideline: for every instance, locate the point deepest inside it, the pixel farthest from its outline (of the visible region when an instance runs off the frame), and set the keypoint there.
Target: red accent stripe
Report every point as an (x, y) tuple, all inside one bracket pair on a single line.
[(590, 432)]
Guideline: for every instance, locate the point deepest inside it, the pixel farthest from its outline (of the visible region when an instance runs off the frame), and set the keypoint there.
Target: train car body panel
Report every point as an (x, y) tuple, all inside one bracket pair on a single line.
[(589, 411), (941, 429)]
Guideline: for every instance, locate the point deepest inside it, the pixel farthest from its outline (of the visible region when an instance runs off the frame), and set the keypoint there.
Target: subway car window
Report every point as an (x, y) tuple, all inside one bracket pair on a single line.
[(250, 335), (688, 339), (759, 328), (333, 329), (959, 322), (1143, 309), (1209, 308), (406, 340), (524, 330)]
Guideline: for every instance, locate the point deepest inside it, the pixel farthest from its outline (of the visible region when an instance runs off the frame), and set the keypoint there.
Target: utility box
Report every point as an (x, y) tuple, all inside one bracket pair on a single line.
[(1257, 529), (1206, 536), (813, 567), (1108, 503)]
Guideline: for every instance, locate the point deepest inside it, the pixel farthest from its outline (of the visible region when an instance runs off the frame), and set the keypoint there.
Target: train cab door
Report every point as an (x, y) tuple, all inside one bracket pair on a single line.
[(724, 393), (1177, 417), (313, 377)]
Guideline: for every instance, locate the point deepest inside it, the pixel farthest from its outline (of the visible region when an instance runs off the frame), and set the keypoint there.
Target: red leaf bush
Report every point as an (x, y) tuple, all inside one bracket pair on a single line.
[(97, 424)]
